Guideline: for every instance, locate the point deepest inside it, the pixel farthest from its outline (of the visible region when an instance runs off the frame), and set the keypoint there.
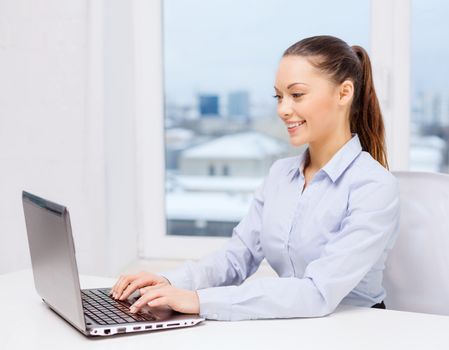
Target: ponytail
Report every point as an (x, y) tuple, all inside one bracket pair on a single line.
[(366, 117)]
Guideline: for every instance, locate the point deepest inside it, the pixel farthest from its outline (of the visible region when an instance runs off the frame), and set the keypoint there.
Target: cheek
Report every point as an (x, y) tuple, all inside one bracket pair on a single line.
[(322, 114)]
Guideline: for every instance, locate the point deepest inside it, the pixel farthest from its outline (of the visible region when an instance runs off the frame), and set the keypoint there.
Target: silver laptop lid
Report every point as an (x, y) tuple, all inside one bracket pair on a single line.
[(53, 257)]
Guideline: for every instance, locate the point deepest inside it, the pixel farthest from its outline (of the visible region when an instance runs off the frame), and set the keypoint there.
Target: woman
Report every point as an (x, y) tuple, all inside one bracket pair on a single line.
[(324, 220)]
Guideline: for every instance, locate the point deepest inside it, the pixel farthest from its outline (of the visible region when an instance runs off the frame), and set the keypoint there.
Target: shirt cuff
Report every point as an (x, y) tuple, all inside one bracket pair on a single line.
[(215, 303), (178, 278)]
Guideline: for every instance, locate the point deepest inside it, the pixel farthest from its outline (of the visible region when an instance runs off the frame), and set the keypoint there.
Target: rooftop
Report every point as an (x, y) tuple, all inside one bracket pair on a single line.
[(246, 145)]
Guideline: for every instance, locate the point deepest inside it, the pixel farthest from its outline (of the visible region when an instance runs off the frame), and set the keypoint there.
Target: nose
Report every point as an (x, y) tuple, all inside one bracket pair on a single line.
[(284, 109)]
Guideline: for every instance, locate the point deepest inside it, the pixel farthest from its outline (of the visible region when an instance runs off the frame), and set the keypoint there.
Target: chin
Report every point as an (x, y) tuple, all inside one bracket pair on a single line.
[(297, 142)]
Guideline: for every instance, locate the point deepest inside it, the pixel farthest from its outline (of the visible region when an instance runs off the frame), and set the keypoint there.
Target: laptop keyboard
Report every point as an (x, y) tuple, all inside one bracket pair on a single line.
[(104, 310)]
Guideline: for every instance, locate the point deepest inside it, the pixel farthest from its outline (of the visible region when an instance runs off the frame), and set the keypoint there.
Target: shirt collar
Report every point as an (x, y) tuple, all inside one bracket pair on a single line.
[(336, 165)]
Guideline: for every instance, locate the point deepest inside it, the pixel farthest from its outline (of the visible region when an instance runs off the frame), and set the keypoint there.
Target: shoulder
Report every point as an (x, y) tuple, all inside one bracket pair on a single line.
[(367, 179), (368, 169)]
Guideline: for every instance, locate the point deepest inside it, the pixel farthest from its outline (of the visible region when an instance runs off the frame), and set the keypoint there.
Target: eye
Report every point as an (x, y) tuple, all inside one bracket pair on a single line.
[(277, 97), (297, 95)]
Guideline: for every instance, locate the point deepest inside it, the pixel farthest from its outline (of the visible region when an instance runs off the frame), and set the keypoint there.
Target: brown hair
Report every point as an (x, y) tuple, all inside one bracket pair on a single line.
[(341, 62)]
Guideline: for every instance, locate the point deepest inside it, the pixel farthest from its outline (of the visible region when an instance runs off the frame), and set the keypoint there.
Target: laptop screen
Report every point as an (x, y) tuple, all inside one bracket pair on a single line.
[(53, 257)]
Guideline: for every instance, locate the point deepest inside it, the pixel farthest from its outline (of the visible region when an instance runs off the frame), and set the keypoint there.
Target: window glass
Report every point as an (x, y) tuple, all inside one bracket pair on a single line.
[(222, 131), (429, 139)]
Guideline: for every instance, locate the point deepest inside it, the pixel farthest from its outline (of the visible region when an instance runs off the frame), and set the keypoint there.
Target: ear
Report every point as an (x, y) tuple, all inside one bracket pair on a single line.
[(346, 92)]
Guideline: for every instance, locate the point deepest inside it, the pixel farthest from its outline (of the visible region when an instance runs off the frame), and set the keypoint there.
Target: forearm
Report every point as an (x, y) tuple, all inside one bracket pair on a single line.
[(230, 265), (263, 298)]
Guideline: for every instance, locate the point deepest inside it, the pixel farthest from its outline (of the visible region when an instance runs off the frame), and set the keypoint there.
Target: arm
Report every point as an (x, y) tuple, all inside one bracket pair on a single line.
[(370, 224), (232, 264)]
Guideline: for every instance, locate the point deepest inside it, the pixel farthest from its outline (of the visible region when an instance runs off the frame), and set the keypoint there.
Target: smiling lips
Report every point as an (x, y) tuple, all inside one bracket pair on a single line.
[(292, 127)]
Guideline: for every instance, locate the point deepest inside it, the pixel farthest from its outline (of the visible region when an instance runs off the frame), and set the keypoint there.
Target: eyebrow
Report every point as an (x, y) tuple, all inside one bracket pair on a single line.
[(288, 87)]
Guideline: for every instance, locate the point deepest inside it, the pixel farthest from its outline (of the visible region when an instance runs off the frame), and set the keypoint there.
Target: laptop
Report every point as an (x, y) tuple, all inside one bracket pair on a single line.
[(91, 311)]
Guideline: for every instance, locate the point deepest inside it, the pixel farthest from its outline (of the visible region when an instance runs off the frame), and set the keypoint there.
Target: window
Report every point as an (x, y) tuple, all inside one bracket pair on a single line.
[(211, 170), (429, 146), (222, 131), (175, 63)]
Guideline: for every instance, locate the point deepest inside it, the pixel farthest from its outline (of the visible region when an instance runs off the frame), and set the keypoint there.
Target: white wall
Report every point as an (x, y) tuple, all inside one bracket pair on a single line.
[(66, 126), (120, 122)]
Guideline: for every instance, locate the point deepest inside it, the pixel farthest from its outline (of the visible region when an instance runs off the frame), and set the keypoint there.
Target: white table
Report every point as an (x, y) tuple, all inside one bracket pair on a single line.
[(27, 323)]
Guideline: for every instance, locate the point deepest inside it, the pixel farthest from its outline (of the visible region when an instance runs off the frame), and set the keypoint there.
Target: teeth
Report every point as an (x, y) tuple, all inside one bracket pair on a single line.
[(293, 125)]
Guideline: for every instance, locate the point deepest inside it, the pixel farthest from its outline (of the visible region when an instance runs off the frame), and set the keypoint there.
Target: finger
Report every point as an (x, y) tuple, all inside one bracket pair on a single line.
[(123, 284), (146, 298), (128, 291), (114, 287), (162, 301), (131, 288), (145, 289)]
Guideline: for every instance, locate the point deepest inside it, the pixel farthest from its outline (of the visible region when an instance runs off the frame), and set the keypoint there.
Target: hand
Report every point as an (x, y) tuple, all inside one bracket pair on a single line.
[(181, 300), (128, 284)]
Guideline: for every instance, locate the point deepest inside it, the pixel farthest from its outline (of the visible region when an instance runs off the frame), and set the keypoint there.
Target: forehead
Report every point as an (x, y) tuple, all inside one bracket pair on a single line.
[(296, 69)]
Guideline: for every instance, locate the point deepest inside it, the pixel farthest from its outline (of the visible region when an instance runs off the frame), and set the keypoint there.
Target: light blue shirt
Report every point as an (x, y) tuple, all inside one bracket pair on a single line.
[(328, 244)]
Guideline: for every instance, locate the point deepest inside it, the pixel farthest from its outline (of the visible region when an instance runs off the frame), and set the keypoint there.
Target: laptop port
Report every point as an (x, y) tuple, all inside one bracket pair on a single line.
[(121, 330), (148, 327), (136, 328), (159, 326), (172, 324), (107, 331)]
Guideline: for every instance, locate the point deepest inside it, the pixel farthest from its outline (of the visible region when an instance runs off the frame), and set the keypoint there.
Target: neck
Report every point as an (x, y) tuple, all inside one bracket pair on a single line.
[(322, 152)]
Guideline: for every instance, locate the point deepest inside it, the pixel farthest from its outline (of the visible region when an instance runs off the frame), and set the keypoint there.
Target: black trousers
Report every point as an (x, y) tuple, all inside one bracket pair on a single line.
[(380, 305)]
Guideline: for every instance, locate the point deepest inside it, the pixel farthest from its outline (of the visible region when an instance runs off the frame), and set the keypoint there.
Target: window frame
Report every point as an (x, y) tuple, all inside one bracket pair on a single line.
[(150, 152), (390, 54)]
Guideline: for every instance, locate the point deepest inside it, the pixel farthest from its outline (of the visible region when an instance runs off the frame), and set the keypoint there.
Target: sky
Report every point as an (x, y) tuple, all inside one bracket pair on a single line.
[(430, 45), (223, 45)]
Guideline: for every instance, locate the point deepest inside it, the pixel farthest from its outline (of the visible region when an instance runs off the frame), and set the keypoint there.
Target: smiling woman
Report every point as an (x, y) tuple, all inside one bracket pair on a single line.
[(350, 193)]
